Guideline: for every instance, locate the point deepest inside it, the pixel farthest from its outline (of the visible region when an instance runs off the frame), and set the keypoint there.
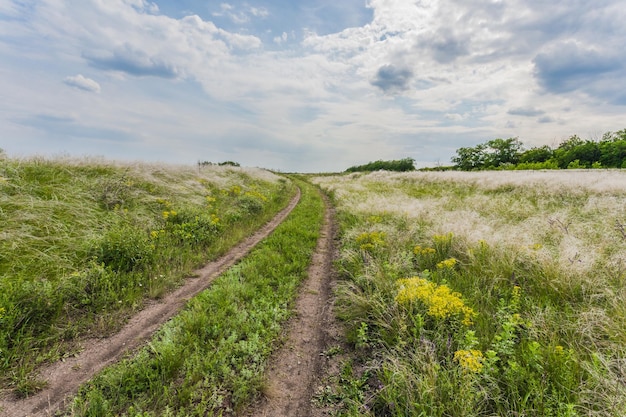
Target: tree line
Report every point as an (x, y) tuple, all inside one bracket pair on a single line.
[(402, 165), (608, 152)]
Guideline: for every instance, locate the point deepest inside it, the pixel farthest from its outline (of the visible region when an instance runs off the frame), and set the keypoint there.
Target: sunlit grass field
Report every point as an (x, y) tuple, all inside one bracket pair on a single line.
[(85, 242), (482, 293)]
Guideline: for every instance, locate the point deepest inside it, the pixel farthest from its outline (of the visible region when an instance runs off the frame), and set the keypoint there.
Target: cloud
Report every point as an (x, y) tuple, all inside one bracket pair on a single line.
[(446, 47), (390, 78), (282, 38), (70, 127), (143, 6), (546, 119), (132, 61), (243, 16), (567, 66), (82, 83), (526, 111)]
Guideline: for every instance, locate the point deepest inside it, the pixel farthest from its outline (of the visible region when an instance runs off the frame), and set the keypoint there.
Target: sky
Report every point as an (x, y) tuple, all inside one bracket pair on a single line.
[(305, 86)]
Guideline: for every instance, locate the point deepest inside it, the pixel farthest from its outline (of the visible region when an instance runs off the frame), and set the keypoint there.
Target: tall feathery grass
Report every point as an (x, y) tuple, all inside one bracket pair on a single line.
[(480, 294), (83, 243)]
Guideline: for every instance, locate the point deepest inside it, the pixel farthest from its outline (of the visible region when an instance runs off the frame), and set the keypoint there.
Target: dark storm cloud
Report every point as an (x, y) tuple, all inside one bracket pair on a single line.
[(526, 111), (390, 78)]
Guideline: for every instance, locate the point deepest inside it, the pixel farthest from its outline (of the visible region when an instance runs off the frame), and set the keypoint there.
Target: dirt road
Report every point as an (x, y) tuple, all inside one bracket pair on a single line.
[(297, 368)]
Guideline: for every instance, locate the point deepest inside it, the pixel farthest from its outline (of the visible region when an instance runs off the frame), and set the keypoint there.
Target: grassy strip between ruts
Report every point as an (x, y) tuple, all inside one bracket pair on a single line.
[(210, 359)]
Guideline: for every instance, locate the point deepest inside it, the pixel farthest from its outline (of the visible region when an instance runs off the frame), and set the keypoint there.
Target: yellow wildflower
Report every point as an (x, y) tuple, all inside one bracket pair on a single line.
[(442, 239), (370, 240), (418, 250), (168, 214), (441, 301), (447, 264), (470, 360)]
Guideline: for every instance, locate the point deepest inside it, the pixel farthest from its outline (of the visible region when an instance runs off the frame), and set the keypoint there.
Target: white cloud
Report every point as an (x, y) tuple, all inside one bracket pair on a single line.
[(282, 38), (242, 16), (82, 83)]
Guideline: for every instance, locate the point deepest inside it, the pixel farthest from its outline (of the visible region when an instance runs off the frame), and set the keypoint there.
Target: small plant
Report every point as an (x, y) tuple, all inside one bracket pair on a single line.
[(370, 240), (362, 338)]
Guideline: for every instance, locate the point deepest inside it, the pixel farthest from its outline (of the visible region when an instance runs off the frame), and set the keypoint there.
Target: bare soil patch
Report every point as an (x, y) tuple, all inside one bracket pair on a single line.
[(297, 368), (64, 377)]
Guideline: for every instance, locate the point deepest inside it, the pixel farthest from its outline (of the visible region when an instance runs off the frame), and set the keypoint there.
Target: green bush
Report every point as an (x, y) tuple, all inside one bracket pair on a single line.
[(125, 248)]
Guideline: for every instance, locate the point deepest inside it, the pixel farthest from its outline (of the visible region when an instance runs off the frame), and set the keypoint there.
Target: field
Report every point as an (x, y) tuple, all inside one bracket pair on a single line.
[(481, 294), (496, 293)]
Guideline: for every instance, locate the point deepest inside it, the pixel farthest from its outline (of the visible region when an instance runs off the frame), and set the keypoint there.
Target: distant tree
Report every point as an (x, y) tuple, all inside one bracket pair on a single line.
[(613, 149), (207, 163), (533, 155), (470, 158), (491, 154), (502, 151), (576, 149), (402, 165), (231, 163)]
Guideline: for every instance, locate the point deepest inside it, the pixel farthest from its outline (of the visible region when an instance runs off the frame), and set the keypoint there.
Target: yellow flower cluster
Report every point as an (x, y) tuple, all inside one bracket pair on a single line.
[(168, 214), (164, 202), (470, 360), (210, 200), (420, 251), (214, 219), (2, 311), (442, 239), (375, 219), (256, 194), (233, 190), (447, 264), (155, 234), (441, 301), (369, 240)]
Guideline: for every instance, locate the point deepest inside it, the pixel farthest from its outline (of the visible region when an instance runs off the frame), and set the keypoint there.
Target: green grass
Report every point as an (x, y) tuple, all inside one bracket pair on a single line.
[(210, 359), (84, 243), (540, 266)]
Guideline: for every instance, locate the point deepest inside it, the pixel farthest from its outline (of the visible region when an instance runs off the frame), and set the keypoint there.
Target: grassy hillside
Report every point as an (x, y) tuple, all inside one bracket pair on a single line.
[(481, 294), (83, 243)]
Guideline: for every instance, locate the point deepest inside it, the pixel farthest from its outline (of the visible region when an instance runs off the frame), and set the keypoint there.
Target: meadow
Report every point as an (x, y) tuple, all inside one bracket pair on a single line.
[(481, 293), (497, 293), (85, 243)]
